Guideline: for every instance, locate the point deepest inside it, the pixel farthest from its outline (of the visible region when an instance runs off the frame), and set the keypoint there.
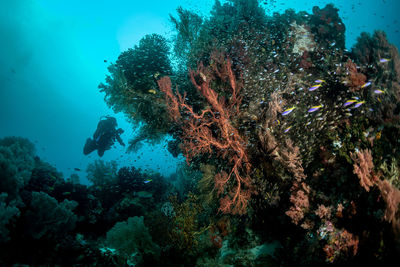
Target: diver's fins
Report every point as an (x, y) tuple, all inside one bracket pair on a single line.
[(90, 146)]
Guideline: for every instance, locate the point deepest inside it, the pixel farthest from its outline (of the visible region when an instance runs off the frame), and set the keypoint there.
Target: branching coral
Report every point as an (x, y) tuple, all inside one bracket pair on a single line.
[(206, 184), (187, 26), (363, 168), (199, 136), (290, 158), (391, 196), (391, 173)]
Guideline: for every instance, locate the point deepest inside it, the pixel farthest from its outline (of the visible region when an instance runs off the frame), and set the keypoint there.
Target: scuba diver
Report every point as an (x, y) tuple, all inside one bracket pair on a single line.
[(104, 136)]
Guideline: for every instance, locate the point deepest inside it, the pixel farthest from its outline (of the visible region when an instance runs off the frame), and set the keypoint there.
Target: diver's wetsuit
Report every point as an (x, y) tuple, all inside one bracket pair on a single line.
[(104, 136)]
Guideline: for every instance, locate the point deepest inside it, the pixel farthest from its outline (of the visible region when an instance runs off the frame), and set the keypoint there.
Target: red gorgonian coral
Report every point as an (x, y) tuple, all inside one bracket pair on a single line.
[(211, 130)]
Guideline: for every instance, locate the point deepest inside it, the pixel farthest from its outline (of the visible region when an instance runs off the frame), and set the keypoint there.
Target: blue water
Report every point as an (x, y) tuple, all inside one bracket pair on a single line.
[(52, 60)]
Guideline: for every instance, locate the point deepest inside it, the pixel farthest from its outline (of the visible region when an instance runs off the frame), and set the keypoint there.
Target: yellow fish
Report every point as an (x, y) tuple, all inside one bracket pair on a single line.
[(378, 91), (366, 84), (287, 111), (152, 91), (378, 135), (287, 129)]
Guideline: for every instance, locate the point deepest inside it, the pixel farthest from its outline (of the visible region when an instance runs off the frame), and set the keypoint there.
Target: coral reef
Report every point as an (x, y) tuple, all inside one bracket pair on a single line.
[(291, 146)]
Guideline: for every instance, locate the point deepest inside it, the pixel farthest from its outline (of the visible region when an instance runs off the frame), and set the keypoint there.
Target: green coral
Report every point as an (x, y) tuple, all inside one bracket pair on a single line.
[(7, 212), (47, 217), (187, 26), (16, 164), (132, 88), (228, 22), (131, 241), (391, 172), (101, 173), (141, 63), (185, 231)]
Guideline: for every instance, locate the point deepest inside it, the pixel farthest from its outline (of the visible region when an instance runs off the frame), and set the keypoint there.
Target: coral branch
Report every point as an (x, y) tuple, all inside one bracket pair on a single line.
[(299, 199), (211, 130), (391, 196), (172, 101), (363, 168), (291, 160)]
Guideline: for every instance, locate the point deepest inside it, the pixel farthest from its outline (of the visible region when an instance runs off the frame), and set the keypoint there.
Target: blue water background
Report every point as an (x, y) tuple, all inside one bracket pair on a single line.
[(52, 60)]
